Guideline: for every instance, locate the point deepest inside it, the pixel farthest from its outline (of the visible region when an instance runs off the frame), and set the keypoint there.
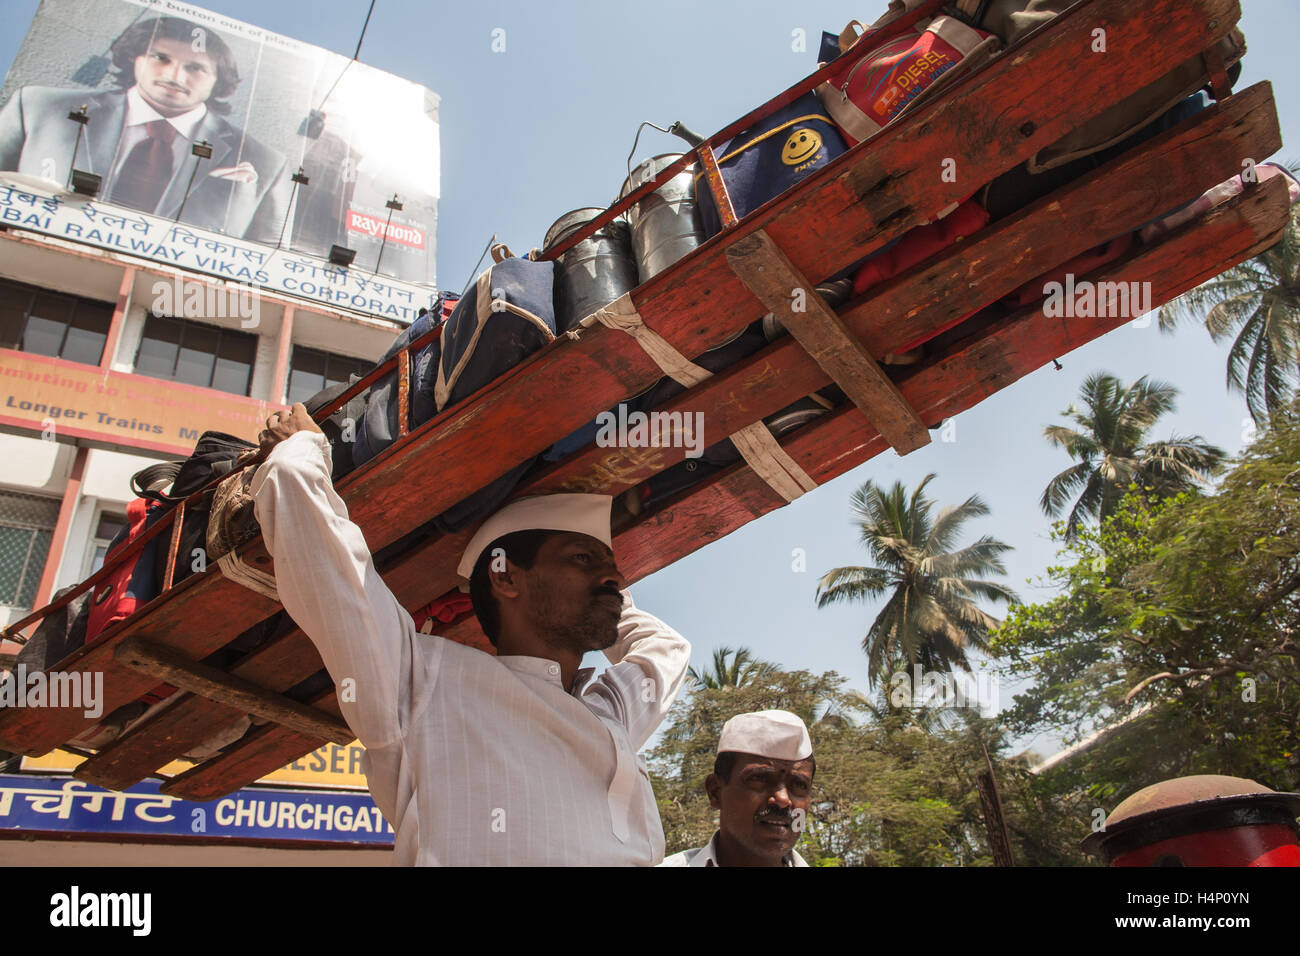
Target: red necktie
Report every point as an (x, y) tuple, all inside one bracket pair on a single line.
[(148, 168)]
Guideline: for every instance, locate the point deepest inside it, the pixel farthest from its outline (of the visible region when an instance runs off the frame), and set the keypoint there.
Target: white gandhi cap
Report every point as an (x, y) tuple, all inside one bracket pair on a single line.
[(776, 734), (585, 514)]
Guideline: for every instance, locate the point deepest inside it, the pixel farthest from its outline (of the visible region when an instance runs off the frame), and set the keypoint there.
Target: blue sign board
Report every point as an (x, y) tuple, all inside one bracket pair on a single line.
[(66, 805)]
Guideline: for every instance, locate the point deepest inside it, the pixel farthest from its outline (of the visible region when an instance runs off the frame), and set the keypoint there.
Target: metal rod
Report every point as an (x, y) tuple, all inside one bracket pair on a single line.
[(384, 242), (188, 186), (72, 167), (284, 225)]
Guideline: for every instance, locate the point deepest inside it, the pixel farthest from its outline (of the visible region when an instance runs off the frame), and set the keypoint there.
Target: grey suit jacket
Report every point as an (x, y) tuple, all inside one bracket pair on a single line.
[(37, 138)]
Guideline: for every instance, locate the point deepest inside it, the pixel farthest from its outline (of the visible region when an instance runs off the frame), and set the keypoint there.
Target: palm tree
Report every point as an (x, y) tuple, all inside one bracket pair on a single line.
[(1112, 452), (1258, 301), (741, 669), (930, 617)]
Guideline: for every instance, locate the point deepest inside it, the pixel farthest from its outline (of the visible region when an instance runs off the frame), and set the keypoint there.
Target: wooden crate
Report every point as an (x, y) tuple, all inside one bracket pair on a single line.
[(990, 121)]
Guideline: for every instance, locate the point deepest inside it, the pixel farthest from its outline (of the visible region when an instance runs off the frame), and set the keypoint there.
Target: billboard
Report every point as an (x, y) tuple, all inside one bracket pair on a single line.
[(150, 78)]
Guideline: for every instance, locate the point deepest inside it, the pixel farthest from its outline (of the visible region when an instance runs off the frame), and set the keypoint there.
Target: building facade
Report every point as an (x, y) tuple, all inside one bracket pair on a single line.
[(99, 380)]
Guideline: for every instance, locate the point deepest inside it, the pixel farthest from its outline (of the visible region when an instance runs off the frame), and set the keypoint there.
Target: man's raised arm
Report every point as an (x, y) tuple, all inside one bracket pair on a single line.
[(648, 665), (328, 583)]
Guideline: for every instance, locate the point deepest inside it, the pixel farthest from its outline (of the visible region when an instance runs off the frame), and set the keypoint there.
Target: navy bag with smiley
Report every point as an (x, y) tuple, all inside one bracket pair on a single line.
[(770, 157)]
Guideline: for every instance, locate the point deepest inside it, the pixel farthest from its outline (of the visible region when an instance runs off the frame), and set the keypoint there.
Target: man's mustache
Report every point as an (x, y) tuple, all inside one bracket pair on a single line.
[(774, 815)]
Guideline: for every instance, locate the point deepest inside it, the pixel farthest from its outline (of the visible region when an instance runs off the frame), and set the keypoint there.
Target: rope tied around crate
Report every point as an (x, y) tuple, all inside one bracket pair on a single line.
[(764, 454), (622, 315), (248, 577)]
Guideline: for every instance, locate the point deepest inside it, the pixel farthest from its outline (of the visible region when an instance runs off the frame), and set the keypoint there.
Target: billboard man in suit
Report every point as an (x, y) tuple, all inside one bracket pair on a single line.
[(172, 79)]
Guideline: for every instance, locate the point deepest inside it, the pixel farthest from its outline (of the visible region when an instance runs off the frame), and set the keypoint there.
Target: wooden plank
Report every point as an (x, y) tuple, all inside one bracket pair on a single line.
[(970, 370), (999, 115), (965, 374), (258, 753), (1159, 175), (168, 665), (717, 187), (282, 662), (787, 294), (1114, 199)]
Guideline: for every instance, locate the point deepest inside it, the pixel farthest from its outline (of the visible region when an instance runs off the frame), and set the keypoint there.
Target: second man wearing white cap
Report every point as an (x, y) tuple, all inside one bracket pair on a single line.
[(517, 759), (761, 786)]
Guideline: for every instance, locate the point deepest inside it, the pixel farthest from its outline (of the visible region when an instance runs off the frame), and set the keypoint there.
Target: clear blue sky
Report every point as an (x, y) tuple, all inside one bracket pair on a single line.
[(545, 127)]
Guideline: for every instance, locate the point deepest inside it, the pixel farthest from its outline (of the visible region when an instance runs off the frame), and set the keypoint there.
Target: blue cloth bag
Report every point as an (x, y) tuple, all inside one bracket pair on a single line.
[(770, 157), (378, 426)]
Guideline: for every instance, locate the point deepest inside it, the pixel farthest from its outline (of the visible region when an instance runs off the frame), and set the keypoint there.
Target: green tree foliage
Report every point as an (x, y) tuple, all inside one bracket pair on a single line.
[(888, 792), (1172, 645), (1257, 304), (1111, 447), (930, 617), (730, 669)]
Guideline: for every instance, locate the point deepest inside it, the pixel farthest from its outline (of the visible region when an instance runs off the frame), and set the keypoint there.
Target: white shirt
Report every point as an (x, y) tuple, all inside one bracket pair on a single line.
[(138, 113), (708, 856), (473, 759)]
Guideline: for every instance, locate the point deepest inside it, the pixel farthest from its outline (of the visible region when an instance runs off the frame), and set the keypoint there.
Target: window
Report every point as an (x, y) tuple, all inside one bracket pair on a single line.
[(105, 530), (311, 371), (26, 530), (48, 323), (196, 354)]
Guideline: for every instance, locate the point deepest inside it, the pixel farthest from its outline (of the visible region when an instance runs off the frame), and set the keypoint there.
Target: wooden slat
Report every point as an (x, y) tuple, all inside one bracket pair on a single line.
[(1160, 174), (967, 372), (1217, 70), (259, 749), (998, 117), (774, 280), (173, 543), (282, 662), (213, 683), (722, 204)]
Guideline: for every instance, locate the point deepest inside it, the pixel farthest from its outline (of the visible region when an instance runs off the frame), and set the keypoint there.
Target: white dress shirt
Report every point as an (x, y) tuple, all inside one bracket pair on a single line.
[(708, 856), (473, 759), (138, 113)]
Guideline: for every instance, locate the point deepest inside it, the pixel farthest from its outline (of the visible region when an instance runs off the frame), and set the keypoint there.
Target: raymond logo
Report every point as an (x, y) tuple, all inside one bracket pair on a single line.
[(373, 226)]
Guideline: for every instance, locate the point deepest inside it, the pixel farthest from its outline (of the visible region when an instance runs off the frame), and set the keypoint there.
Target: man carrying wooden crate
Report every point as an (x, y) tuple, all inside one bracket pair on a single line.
[(519, 759)]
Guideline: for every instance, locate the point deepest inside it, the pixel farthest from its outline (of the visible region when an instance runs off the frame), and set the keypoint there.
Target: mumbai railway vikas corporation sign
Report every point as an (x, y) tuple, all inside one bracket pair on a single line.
[(40, 208), (65, 400)]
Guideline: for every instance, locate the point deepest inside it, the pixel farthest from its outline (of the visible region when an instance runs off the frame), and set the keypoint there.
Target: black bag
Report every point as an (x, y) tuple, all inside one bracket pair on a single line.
[(340, 429), (378, 426), (1019, 187), (214, 456), (507, 315), (58, 635)]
